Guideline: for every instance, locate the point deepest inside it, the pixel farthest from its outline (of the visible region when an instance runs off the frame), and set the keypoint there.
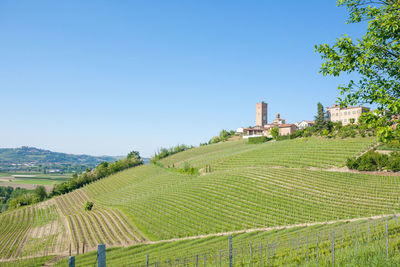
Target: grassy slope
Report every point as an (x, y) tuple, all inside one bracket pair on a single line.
[(247, 190)]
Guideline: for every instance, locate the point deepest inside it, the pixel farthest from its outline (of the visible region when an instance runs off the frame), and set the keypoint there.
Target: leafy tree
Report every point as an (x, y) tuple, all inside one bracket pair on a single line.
[(88, 206), (275, 132), (321, 122), (40, 191), (375, 57)]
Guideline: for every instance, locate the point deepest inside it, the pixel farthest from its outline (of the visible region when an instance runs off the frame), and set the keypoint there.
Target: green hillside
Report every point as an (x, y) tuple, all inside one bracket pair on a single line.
[(302, 152), (36, 159), (249, 187)]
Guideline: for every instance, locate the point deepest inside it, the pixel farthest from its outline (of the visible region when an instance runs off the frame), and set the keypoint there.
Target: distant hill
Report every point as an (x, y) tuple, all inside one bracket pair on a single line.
[(24, 158)]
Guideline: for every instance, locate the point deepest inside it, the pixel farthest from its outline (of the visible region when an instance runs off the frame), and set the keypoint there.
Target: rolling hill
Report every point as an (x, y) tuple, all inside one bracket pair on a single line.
[(251, 191)]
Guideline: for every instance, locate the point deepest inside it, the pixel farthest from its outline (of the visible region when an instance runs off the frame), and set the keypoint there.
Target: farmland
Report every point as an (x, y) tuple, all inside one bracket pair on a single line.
[(258, 186)]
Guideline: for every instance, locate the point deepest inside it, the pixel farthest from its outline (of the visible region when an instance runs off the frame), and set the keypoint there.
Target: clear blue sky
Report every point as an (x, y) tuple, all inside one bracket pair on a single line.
[(108, 77)]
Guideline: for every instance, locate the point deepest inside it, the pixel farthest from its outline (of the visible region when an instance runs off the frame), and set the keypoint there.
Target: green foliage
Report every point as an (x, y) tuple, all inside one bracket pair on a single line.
[(392, 145), (321, 122), (165, 152), (22, 200), (258, 140), (375, 57), (223, 136), (40, 191), (275, 133), (102, 170), (189, 169), (88, 206), (374, 161)]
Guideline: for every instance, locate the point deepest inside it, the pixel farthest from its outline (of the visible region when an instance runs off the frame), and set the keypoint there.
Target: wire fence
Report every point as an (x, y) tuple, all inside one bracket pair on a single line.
[(328, 246)]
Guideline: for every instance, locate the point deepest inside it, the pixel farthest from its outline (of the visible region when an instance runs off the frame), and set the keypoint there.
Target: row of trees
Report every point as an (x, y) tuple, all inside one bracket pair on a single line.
[(23, 197), (165, 152), (102, 170), (223, 136), (20, 197)]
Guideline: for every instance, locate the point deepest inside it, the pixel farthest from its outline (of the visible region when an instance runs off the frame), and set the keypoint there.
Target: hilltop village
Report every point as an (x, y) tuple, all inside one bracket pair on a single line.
[(262, 128)]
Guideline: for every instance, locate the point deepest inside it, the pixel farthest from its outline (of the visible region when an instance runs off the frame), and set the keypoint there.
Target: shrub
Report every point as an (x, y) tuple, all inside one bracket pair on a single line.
[(275, 133), (258, 140), (88, 206), (393, 163), (370, 161), (283, 137)]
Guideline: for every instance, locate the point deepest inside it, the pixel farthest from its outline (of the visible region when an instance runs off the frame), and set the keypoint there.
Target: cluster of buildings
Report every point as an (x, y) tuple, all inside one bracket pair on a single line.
[(263, 128)]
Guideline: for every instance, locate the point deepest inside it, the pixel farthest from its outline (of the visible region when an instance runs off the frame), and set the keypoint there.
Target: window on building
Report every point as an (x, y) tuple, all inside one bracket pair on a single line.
[(358, 111), (354, 112)]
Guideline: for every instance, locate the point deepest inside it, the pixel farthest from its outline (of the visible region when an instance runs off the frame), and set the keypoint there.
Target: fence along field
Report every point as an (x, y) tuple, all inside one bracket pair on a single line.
[(358, 243), (154, 203)]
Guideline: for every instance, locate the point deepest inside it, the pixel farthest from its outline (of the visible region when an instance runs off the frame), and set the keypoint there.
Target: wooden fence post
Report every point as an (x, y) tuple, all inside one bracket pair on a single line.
[(230, 251), (71, 261), (333, 248), (101, 255), (387, 240)]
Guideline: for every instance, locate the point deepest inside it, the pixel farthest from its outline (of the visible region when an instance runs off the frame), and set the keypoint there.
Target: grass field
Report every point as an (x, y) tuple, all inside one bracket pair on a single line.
[(34, 178), (249, 187)]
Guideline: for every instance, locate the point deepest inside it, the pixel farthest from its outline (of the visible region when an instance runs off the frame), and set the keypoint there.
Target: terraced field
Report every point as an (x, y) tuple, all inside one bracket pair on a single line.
[(59, 225), (31, 231), (300, 153), (249, 186), (166, 204)]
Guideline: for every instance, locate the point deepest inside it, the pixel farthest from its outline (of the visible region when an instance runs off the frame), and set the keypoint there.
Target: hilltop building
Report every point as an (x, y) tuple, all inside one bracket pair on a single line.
[(335, 113), (304, 124), (265, 129), (278, 120), (261, 114)]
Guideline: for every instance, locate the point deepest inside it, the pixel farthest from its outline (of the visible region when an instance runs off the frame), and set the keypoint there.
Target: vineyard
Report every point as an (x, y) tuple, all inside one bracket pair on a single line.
[(302, 152), (357, 243), (255, 186)]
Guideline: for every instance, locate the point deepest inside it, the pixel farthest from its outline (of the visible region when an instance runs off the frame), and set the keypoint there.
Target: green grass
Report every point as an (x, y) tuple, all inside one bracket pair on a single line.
[(361, 243), (39, 178), (32, 262), (249, 186), (300, 153), (165, 205), (36, 181)]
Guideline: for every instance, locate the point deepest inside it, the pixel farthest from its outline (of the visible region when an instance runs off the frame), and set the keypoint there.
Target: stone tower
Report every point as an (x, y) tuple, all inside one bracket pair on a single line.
[(261, 114)]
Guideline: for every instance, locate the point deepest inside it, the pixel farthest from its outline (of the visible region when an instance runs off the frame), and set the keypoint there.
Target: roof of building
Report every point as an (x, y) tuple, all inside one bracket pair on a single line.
[(337, 106), (285, 125)]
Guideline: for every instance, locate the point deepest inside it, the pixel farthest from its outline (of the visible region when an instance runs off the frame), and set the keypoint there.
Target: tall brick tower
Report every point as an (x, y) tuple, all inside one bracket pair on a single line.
[(261, 114)]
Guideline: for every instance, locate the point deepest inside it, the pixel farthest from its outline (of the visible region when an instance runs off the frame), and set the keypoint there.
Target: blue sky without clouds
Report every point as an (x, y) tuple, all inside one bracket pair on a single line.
[(108, 77)]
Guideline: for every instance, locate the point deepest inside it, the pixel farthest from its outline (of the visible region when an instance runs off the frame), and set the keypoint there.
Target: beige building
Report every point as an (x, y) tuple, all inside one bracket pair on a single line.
[(278, 120), (261, 114), (287, 129), (335, 113)]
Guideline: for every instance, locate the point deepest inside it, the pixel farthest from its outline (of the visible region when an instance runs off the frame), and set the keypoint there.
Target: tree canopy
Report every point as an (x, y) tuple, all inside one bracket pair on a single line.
[(375, 56)]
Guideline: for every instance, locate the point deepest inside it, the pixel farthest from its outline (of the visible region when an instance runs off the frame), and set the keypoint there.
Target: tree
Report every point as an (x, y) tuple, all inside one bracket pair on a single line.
[(88, 205), (40, 191), (375, 57), (320, 120), (275, 132)]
